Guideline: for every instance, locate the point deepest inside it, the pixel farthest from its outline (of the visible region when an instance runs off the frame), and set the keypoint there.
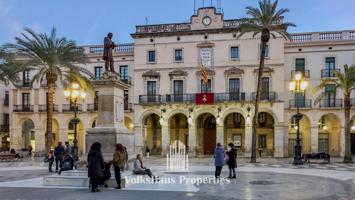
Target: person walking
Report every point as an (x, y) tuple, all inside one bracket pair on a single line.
[(119, 160), (58, 154), (50, 160), (95, 166), (232, 160), (218, 159)]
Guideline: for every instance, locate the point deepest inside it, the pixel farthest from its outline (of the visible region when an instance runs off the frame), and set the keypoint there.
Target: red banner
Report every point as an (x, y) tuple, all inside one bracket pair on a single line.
[(204, 98)]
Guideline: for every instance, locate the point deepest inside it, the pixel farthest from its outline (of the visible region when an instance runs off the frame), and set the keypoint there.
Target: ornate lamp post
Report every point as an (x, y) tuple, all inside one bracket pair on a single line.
[(298, 86), (73, 93)]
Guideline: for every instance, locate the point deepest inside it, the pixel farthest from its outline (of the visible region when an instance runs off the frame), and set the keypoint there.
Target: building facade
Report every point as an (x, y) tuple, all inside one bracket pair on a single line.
[(167, 100)]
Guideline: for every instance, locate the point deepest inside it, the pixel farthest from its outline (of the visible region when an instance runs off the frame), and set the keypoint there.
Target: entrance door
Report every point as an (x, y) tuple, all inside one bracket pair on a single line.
[(353, 143), (291, 147), (209, 135), (323, 143), (209, 140)]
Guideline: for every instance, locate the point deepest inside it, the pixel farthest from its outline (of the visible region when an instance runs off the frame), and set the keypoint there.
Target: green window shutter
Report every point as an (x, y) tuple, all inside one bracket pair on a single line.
[(300, 64)]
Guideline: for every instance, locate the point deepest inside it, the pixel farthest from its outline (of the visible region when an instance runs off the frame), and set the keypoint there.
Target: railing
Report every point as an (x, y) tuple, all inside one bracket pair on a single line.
[(352, 35), (23, 108), (161, 28), (98, 49), (232, 96), (301, 103), (329, 73), (180, 98), (124, 48), (126, 79), (150, 98), (301, 38), (331, 103), (92, 107), (305, 73), (330, 36), (127, 106), (265, 96), (22, 83), (44, 108), (5, 128), (70, 107)]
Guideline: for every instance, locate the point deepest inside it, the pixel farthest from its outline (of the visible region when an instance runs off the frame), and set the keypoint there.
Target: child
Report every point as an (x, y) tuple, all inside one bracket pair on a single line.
[(50, 160)]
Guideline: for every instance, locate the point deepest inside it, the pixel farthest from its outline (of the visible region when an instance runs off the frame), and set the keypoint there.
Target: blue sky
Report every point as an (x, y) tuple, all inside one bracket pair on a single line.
[(88, 21)]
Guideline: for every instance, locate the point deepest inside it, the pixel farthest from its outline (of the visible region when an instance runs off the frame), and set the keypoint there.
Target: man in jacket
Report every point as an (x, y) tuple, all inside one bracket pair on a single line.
[(118, 161), (58, 154)]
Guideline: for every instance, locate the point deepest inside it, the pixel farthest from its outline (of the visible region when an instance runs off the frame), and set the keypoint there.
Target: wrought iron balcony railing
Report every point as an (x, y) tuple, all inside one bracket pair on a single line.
[(180, 98), (70, 107), (329, 73), (92, 107), (22, 83), (265, 96), (301, 103), (126, 79), (23, 108), (150, 98), (44, 108), (231, 96), (5, 128), (331, 103), (305, 73)]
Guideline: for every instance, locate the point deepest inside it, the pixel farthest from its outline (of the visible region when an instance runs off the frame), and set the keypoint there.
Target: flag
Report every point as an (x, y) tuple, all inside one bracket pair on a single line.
[(204, 77)]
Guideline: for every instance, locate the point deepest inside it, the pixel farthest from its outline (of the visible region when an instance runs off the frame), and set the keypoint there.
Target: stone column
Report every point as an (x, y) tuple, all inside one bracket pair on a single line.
[(40, 140), (247, 140), (139, 138), (63, 135), (192, 140), (279, 141), (165, 139), (15, 138), (342, 141), (220, 134), (314, 137)]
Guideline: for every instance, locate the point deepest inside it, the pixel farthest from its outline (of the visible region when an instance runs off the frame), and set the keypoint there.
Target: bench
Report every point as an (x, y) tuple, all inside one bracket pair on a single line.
[(307, 157), (9, 157)]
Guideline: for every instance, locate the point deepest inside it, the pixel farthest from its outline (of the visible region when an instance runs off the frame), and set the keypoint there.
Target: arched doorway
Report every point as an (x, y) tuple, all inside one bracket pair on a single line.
[(179, 129), (352, 130), (152, 133), (206, 128), (28, 134), (80, 135), (329, 134), (265, 134), (234, 130), (305, 135)]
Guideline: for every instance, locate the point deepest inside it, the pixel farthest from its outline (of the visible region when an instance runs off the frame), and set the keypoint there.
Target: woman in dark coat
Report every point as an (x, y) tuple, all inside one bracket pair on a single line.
[(232, 160), (96, 166)]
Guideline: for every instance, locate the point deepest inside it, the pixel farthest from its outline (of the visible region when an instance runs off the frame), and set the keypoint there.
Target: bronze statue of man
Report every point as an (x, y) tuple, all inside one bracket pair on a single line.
[(108, 53)]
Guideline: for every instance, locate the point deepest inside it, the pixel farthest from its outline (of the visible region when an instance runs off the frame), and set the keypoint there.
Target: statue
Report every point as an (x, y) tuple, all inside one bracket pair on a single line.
[(108, 55)]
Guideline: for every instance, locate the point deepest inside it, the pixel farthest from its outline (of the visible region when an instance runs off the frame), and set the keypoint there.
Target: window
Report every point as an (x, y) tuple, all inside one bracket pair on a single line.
[(234, 53), (178, 87), (124, 72), (6, 120), (26, 101), (125, 99), (6, 99), (99, 73), (262, 141), (267, 49), (265, 88), (330, 63), (178, 55), (26, 77), (151, 56), (206, 88), (262, 119), (330, 95), (234, 88), (151, 91), (96, 100), (300, 64)]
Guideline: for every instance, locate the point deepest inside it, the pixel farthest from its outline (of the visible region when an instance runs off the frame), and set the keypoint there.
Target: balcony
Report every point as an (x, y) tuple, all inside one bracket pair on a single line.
[(150, 99), (305, 73), (180, 98), (23, 108), (323, 36), (301, 103), (331, 103), (44, 108), (265, 96), (329, 73), (126, 79), (127, 106), (92, 107), (70, 108), (23, 84), (232, 96), (5, 128)]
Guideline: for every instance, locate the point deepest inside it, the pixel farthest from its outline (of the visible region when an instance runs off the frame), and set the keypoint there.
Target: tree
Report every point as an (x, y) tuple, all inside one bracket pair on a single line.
[(346, 82), (267, 21), (8, 73), (51, 58)]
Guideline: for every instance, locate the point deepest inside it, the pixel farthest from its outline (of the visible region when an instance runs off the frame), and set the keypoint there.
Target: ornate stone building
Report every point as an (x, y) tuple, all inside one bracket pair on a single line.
[(167, 100)]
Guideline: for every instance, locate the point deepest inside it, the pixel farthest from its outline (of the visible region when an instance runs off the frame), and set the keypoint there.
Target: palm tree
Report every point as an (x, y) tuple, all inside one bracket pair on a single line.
[(346, 82), (267, 21), (8, 73), (51, 58)]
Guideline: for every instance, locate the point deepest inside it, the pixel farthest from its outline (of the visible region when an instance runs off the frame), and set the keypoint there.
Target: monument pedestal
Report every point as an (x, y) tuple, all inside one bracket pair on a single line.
[(110, 126)]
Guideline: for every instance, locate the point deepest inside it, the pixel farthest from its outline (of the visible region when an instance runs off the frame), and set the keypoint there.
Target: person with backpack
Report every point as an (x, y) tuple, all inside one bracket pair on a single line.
[(58, 154), (118, 161), (232, 160)]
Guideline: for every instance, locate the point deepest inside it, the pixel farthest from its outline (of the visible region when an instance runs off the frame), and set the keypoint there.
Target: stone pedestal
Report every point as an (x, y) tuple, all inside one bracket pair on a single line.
[(110, 128)]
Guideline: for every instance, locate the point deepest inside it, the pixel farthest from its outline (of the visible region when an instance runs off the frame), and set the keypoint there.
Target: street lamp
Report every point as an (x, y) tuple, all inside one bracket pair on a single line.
[(298, 86), (73, 93)]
